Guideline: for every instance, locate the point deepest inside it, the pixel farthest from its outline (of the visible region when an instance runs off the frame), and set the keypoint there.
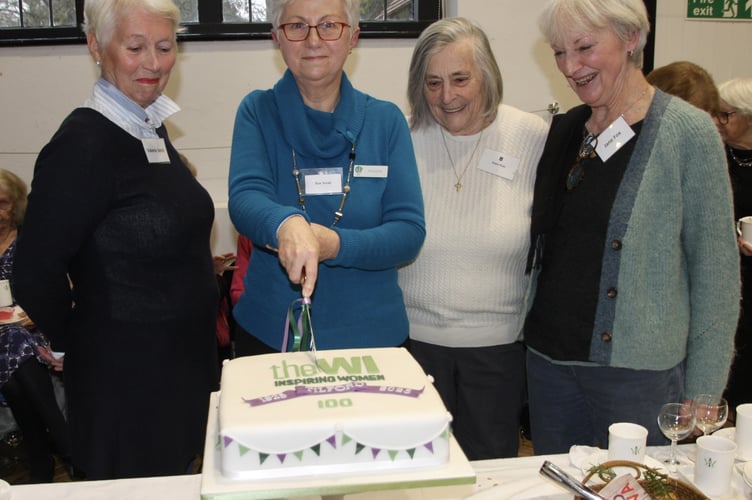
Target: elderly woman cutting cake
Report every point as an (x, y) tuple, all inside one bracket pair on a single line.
[(323, 181)]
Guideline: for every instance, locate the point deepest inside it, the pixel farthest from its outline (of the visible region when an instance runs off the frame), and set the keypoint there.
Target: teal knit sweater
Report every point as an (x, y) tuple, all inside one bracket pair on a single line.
[(670, 250)]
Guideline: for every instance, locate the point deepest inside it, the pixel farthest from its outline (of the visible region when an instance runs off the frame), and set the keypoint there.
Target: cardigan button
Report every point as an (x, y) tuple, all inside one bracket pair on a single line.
[(611, 293), (606, 337), (616, 245)]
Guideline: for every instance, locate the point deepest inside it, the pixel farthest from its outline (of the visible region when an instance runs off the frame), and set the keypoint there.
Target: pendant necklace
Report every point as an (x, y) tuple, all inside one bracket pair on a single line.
[(458, 185), (345, 189), (741, 162)]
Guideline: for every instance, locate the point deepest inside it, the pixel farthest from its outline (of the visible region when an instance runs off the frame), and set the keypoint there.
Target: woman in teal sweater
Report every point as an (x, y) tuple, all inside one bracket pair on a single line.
[(323, 181), (638, 279)]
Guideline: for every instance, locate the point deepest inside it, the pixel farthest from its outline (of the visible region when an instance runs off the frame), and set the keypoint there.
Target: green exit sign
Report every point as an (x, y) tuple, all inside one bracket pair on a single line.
[(720, 10)]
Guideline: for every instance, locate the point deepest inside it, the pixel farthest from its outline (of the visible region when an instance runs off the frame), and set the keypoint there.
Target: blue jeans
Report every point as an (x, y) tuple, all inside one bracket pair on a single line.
[(575, 404)]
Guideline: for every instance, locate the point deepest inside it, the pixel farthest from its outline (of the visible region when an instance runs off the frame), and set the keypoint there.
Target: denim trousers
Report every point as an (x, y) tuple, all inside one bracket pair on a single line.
[(573, 404)]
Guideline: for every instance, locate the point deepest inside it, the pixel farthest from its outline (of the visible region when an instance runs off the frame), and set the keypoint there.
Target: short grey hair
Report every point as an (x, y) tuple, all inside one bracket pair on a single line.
[(274, 9), (623, 17), (737, 93), (435, 38), (102, 16)]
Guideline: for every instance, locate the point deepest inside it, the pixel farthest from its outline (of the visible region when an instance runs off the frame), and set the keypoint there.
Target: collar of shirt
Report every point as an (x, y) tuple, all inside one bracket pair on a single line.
[(126, 114)]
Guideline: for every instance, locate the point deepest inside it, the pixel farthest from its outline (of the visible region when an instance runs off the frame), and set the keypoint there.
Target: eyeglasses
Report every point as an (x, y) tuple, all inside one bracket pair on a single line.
[(723, 116), (587, 151), (328, 31)]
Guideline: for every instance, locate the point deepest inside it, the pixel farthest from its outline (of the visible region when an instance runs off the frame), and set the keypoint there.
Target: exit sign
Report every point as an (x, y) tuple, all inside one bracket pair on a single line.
[(720, 10)]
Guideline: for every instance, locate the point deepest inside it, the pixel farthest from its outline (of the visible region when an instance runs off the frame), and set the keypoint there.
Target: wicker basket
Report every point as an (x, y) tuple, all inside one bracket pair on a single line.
[(656, 483)]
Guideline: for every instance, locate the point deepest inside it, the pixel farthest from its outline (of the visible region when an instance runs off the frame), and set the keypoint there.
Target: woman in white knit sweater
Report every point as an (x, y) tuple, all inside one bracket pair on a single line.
[(465, 291)]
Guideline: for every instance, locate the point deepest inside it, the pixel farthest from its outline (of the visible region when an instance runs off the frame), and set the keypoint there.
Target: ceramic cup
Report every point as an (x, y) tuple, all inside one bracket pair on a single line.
[(714, 464), (626, 441), (4, 490), (743, 432), (6, 297), (744, 228), (747, 477)]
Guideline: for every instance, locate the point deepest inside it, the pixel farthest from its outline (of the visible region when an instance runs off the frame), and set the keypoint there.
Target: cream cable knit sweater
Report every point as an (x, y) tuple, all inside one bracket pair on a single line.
[(468, 284)]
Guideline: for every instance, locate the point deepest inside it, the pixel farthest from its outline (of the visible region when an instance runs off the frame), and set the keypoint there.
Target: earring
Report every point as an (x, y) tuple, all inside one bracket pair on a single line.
[(98, 63), (630, 53)]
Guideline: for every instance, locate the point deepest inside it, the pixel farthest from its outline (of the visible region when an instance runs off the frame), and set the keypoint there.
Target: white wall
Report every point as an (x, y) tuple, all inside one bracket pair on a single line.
[(40, 85)]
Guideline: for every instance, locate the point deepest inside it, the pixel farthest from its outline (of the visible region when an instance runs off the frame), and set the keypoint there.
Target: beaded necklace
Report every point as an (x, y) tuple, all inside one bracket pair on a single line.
[(345, 189), (739, 161)]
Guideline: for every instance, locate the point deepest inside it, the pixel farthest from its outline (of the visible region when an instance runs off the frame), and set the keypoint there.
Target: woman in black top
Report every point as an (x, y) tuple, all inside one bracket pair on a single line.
[(114, 263)]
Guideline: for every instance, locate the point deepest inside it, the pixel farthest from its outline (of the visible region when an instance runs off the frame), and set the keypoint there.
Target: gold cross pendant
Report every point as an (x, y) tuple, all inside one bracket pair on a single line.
[(458, 186)]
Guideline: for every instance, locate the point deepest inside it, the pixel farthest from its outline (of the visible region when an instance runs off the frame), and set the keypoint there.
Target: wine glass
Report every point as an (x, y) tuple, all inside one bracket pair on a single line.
[(676, 421), (711, 412)]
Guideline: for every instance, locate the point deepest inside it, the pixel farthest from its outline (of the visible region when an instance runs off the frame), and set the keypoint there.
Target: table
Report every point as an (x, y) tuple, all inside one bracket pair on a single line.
[(502, 479)]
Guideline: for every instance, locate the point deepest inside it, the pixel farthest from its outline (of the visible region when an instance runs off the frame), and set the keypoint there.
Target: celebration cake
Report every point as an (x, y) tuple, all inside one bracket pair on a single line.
[(346, 411)]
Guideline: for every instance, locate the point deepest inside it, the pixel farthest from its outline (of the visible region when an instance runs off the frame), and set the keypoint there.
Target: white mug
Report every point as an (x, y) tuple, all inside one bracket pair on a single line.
[(714, 464), (626, 441), (743, 432), (5, 492), (744, 228), (6, 297)]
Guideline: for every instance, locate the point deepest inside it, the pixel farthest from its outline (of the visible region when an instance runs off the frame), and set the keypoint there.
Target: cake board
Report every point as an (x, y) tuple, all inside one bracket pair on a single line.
[(215, 487)]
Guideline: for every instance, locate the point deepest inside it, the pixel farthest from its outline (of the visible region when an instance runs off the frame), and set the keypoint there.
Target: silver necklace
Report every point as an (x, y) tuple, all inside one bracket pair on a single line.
[(623, 112), (740, 162), (458, 185), (345, 189)]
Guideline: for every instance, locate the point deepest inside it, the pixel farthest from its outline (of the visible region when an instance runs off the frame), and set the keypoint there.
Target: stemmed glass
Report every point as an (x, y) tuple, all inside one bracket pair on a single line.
[(676, 421), (711, 412)]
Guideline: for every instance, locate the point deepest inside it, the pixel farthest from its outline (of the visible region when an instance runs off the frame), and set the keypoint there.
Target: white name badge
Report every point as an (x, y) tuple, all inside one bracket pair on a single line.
[(499, 164), (377, 171), (613, 138), (156, 151), (318, 181)]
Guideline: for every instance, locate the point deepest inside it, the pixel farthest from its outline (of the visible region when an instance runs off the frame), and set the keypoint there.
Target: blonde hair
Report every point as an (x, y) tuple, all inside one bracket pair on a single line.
[(16, 189)]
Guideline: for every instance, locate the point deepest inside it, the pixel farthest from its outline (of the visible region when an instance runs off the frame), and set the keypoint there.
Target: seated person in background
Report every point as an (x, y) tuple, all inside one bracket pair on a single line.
[(25, 354), (690, 82), (245, 248)]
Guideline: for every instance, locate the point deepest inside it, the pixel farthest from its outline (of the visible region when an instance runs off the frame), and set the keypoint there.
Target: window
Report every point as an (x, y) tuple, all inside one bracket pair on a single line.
[(25, 22)]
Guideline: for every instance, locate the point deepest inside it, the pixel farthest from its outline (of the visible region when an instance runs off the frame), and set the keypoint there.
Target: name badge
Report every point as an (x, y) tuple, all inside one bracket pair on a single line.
[(613, 138), (499, 164), (376, 171), (156, 151), (318, 181)]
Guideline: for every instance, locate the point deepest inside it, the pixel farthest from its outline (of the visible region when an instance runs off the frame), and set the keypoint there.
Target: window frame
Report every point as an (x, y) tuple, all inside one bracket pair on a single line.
[(210, 27)]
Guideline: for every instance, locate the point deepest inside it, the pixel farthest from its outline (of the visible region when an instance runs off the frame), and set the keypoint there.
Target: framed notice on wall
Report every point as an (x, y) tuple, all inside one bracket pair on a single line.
[(720, 10)]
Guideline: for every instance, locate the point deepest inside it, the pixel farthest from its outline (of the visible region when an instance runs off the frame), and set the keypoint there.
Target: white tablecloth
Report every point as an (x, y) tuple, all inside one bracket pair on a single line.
[(503, 479)]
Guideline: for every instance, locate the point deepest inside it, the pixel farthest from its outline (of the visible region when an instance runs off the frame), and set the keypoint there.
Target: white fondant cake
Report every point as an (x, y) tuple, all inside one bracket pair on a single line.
[(360, 410)]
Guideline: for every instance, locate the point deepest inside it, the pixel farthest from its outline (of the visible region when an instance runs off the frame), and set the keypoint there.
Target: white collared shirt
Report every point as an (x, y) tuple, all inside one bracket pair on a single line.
[(122, 111)]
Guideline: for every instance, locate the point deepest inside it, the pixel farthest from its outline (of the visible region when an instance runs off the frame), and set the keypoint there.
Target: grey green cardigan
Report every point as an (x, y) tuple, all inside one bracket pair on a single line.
[(670, 249)]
